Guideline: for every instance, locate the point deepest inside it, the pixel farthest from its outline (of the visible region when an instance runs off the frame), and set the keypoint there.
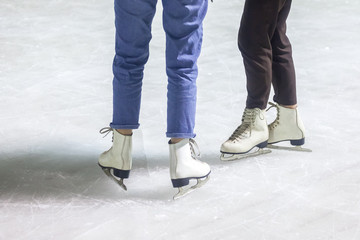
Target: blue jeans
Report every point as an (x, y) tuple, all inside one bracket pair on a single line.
[(182, 22)]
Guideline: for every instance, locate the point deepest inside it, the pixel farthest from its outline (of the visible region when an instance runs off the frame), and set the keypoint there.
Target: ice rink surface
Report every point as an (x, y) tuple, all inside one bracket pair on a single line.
[(56, 93)]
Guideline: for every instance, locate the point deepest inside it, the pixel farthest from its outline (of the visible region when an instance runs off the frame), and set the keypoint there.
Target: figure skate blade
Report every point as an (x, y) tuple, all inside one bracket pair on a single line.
[(185, 191), (238, 156), (293, 148), (119, 181)]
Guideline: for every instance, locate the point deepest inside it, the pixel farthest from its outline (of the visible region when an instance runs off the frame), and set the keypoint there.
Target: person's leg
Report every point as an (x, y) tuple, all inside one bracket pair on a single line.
[(288, 125), (258, 23), (133, 32), (257, 27), (133, 20), (283, 74), (182, 21)]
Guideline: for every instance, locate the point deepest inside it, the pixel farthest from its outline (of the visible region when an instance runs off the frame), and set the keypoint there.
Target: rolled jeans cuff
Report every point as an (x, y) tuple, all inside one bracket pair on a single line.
[(180, 135), (117, 126)]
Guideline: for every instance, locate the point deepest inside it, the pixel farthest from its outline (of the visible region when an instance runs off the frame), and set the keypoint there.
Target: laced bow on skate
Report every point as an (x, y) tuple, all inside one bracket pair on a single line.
[(248, 120), (106, 131), (276, 121), (195, 151)]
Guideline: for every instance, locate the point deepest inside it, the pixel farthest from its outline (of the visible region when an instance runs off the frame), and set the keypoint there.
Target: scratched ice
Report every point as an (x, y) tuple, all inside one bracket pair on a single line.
[(55, 75)]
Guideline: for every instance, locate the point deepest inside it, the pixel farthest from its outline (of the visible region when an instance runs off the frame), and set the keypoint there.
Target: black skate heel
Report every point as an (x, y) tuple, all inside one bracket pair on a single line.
[(121, 173), (263, 144), (298, 142), (180, 182)]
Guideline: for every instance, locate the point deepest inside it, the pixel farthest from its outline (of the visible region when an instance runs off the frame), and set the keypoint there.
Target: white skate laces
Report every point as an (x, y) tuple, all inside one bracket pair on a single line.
[(276, 122), (106, 131), (248, 120), (194, 153)]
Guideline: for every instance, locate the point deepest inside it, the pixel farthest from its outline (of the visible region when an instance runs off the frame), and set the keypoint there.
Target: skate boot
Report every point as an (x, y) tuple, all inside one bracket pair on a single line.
[(251, 134), (117, 161), (287, 127), (184, 166)]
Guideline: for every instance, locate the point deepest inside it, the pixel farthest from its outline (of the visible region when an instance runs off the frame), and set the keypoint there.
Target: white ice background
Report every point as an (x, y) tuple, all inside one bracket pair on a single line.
[(56, 93)]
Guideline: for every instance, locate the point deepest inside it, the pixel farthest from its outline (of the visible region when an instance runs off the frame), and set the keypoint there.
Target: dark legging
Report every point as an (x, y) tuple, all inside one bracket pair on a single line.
[(267, 53)]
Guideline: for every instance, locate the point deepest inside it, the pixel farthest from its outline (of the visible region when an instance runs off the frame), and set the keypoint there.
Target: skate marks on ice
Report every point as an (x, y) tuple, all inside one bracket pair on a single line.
[(55, 178), (49, 176)]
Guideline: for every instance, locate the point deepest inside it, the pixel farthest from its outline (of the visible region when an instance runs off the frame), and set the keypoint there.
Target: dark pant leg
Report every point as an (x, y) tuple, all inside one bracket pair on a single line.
[(284, 81), (257, 28)]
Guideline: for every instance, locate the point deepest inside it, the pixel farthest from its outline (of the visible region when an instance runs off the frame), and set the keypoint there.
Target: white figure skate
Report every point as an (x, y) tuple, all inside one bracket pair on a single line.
[(184, 166), (117, 161), (287, 127), (251, 135)]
